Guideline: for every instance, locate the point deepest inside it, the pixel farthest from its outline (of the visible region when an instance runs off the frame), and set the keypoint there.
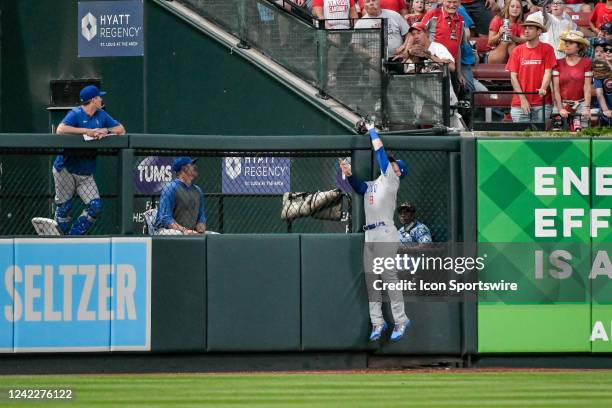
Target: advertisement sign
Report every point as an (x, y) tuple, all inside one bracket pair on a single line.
[(256, 175), (77, 294), (534, 225), (152, 174), (110, 28)]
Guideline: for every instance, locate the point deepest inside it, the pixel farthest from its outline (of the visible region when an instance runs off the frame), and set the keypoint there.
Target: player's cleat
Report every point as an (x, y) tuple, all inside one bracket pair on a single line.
[(377, 331), (399, 330), (46, 226)]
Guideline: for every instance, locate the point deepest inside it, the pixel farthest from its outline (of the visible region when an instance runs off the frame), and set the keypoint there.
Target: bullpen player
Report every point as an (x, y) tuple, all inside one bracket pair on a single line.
[(74, 174), (381, 236)]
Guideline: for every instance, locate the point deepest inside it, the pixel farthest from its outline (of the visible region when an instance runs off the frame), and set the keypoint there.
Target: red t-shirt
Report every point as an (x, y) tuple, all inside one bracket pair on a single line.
[(571, 78), (601, 15), (530, 64), (413, 18), (497, 22), (445, 25), (395, 5)]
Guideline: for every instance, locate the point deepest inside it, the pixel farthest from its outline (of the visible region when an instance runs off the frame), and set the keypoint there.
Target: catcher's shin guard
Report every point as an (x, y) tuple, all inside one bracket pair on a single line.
[(87, 217), (62, 216)]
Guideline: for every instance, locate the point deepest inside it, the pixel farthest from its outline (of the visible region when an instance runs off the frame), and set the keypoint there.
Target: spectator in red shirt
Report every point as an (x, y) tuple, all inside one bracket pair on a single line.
[(445, 26), (513, 10), (416, 12), (572, 78), (399, 6), (530, 67), (334, 12), (602, 14)]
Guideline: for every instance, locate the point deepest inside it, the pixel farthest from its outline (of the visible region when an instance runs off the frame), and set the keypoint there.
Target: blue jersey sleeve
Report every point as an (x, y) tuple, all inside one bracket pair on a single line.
[(381, 155), (359, 186), (71, 119), (166, 206), (201, 213), (108, 120)]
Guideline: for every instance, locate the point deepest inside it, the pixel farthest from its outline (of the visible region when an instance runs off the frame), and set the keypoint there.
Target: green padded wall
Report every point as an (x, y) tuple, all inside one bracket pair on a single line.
[(334, 299), (178, 301), (435, 329), (253, 292)]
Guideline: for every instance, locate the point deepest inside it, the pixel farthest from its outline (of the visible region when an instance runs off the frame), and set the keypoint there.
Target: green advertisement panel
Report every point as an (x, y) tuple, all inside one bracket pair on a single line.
[(601, 270), (533, 228)]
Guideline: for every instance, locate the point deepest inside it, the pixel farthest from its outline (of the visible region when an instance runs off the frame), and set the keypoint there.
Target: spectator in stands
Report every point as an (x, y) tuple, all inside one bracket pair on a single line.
[(412, 231), (530, 66), (599, 49), (181, 205), (437, 53), (513, 11), (480, 11), (585, 8), (602, 83), (399, 6), (416, 12), (468, 55), (334, 12), (601, 15), (397, 33), (430, 5), (445, 26), (605, 34), (573, 5), (572, 79), (557, 23)]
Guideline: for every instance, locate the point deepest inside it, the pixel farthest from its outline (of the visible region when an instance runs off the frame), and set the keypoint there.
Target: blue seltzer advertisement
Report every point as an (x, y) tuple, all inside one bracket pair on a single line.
[(110, 28), (75, 294)]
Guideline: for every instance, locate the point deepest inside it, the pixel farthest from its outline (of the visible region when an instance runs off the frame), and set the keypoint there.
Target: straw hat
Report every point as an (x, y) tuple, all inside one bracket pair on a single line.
[(535, 20), (575, 36)]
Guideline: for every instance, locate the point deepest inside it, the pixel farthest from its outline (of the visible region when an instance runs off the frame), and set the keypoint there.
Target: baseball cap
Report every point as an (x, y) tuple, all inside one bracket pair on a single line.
[(406, 206), (607, 27), (600, 42), (418, 26), (179, 162), (402, 166), (90, 92)]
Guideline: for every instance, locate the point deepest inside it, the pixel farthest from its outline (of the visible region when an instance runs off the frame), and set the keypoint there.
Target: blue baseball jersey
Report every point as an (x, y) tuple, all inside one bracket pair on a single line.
[(77, 117), (419, 233), (167, 204)]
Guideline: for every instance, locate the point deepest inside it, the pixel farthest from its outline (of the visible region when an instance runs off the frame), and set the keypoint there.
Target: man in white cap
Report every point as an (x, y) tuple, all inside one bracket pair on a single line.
[(530, 66)]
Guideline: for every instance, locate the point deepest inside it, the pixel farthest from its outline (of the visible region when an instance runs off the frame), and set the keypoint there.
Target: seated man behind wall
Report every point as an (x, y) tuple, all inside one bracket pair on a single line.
[(181, 206)]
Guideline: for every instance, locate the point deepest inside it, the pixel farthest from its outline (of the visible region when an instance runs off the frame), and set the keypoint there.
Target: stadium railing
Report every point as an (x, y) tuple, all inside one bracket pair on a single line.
[(326, 59)]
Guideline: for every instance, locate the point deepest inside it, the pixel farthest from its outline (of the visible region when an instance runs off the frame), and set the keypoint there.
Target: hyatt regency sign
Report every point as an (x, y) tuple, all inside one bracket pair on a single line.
[(110, 28)]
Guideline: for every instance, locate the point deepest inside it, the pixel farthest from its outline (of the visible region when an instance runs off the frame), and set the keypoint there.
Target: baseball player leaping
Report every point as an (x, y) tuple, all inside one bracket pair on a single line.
[(381, 236)]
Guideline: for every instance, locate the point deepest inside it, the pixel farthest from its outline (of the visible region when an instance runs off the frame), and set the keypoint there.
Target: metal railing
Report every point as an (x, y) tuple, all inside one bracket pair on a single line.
[(345, 64)]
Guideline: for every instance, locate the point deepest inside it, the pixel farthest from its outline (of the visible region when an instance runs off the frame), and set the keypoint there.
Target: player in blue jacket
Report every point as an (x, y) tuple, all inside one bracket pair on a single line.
[(74, 173), (381, 235)]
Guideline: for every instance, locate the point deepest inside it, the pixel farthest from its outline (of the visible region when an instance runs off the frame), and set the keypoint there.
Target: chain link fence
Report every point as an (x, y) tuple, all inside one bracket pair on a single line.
[(245, 192), (346, 65), (27, 190)]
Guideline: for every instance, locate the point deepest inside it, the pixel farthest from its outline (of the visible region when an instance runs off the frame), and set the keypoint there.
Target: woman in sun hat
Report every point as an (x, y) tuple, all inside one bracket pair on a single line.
[(572, 79)]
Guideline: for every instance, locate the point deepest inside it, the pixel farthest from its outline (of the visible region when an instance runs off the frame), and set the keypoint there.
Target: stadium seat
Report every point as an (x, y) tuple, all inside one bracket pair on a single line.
[(482, 44), (491, 72), (490, 101)]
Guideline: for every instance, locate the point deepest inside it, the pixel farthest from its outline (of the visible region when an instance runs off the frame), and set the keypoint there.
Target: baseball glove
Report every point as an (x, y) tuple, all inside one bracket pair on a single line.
[(417, 53), (601, 69)]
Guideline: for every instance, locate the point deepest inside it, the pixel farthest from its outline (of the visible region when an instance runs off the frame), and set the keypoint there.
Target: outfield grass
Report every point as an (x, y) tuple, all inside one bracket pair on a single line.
[(406, 389)]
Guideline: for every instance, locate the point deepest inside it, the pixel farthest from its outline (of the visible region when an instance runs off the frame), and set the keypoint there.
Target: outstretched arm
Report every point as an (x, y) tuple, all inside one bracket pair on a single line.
[(359, 186), (379, 149)]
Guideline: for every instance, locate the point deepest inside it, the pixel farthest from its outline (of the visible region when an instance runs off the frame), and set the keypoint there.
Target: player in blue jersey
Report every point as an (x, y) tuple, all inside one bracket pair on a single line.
[(381, 236), (74, 173)]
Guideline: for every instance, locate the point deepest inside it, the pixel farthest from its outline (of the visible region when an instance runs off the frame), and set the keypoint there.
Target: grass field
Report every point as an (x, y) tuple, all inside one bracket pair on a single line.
[(395, 389)]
